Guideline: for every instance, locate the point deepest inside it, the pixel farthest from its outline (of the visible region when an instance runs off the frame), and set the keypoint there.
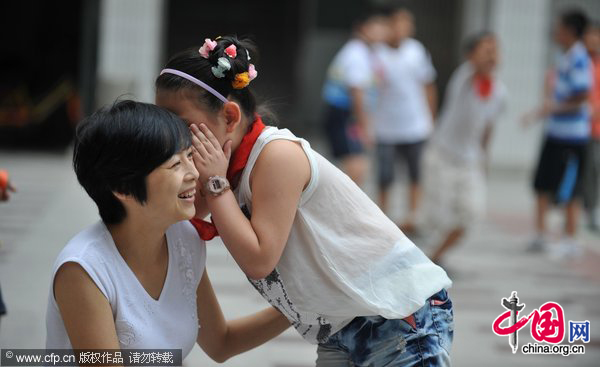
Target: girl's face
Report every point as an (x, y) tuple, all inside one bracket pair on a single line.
[(183, 106), (171, 189)]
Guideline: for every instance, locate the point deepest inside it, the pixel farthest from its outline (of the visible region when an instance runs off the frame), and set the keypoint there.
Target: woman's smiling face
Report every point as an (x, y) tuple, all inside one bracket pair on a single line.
[(171, 189)]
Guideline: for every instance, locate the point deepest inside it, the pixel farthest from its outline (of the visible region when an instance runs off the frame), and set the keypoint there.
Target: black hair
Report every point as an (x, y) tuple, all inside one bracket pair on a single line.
[(191, 62), (118, 146), (575, 20), (366, 13), (474, 40), (393, 7)]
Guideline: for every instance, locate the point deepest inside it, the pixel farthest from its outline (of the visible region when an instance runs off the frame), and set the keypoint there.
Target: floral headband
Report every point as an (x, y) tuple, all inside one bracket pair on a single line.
[(241, 80)]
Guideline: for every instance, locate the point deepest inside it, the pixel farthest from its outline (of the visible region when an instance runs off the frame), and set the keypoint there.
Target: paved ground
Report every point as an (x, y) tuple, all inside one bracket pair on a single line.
[(50, 208)]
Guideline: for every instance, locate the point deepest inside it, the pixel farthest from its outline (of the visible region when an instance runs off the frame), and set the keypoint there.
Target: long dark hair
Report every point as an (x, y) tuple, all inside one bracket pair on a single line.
[(191, 62)]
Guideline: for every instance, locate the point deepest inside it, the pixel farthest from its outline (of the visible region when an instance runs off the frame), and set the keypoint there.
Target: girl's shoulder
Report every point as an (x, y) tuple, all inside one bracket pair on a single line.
[(282, 153), (283, 139)]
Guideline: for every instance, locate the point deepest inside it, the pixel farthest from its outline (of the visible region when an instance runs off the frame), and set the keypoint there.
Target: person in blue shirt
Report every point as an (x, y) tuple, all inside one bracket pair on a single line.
[(349, 93), (5, 188), (567, 131)]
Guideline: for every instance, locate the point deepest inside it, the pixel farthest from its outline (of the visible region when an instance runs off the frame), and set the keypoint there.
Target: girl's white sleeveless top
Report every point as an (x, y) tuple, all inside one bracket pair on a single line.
[(141, 322), (343, 258)]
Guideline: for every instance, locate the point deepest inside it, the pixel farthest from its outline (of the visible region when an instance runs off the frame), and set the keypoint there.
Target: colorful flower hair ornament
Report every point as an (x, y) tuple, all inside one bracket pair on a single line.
[(207, 47), (241, 80), (231, 51), (223, 65), (252, 73)]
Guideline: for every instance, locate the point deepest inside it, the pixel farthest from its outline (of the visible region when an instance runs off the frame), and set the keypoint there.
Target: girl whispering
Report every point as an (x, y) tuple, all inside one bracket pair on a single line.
[(309, 240)]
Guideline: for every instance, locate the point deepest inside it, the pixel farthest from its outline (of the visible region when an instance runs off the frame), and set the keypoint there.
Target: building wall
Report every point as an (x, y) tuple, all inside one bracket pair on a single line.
[(523, 28), (274, 26), (129, 49)]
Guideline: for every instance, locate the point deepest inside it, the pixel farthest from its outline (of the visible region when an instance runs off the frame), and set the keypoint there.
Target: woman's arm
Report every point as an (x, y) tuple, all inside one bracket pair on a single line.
[(278, 179), (222, 339), (85, 311)]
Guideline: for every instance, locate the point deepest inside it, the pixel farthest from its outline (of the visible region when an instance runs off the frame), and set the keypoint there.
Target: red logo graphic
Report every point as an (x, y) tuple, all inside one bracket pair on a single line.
[(547, 322)]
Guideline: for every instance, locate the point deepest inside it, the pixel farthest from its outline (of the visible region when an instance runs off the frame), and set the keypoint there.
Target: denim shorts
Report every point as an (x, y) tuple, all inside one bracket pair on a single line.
[(374, 341)]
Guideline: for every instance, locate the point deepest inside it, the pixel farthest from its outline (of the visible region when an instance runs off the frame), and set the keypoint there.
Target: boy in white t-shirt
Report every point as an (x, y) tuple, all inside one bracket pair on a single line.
[(406, 100), (454, 163)]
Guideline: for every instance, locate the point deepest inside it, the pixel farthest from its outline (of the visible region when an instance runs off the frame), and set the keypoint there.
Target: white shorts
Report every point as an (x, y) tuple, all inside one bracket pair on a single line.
[(453, 195)]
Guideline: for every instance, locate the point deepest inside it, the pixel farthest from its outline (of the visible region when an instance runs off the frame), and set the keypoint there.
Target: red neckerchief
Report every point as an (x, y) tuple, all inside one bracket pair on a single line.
[(483, 86), (239, 159)]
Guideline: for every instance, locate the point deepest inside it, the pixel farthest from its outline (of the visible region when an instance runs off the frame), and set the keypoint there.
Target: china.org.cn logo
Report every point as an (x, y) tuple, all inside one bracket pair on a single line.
[(547, 328)]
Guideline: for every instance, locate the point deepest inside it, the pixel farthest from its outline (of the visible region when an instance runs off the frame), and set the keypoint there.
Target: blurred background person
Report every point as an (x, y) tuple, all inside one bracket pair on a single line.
[(567, 131), (455, 159), (5, 188), (592, 167), (349, 92), (2, 307), (403, 119)]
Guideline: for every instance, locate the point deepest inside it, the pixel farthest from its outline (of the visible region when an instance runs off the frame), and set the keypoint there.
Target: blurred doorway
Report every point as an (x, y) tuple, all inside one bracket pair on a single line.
[(40, 70), (274, 26)]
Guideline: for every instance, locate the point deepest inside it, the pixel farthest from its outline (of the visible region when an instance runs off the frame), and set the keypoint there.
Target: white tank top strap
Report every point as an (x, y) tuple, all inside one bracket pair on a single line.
[(269, 134)]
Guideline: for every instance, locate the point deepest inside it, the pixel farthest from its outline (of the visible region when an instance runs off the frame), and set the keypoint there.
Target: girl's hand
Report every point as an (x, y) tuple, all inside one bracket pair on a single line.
[(209, 158)]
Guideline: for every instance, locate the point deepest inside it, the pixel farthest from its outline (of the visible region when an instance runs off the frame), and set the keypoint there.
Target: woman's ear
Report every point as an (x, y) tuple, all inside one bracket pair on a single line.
[(233, 115), (122, 197)]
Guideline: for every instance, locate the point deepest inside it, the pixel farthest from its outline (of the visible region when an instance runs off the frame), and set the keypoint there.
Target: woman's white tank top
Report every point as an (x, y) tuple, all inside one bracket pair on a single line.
[(141, 322)]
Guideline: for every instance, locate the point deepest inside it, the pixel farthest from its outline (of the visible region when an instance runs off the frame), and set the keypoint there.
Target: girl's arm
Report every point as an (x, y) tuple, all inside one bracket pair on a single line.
[(222, 339), (200, 203), (277, 181), (85, 311)]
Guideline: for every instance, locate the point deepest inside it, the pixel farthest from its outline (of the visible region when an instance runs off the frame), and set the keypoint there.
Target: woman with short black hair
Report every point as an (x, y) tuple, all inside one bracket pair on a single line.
[(137, 278)]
